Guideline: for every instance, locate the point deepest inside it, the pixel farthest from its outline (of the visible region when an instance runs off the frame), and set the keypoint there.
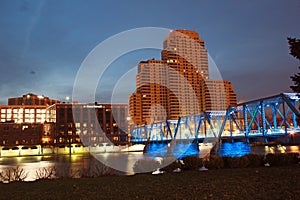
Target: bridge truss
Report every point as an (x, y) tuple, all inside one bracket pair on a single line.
[(271, 116)]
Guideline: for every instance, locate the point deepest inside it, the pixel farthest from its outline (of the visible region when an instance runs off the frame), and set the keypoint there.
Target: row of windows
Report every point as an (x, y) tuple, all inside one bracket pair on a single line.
[(21, 111)]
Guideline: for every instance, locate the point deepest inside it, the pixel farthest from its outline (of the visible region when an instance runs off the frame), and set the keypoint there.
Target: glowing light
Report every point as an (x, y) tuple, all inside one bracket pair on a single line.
[(45, 139), (40, 96)]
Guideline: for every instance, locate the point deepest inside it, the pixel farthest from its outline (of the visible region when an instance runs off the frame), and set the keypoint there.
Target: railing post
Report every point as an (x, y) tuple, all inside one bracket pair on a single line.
[(230, 127), (245, 121), (263, 118), (284, 117), (294, 117), (274, 117)]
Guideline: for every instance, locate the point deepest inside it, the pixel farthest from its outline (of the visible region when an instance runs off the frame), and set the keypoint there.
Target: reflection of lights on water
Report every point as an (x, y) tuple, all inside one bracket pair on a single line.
[(74, 157), (294, 149), (281, 148), (105, 155)]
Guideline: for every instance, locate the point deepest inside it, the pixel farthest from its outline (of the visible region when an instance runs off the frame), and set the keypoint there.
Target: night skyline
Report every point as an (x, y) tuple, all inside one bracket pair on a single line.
[(43, 43)]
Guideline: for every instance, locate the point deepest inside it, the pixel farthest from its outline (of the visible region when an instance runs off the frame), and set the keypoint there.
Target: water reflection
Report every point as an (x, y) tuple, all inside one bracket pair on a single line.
[(238, 149), (178, 150), (235, 149), (125, 161)]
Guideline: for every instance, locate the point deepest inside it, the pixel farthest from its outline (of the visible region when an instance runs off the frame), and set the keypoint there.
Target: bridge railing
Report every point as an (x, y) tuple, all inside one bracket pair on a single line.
[(273, 115)]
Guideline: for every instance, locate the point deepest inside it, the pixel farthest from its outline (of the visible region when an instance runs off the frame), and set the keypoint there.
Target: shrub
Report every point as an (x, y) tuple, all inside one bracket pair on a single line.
[(254, 160), (13, 174), (45, 173), (292, 158), (170, 163), (282, 159), (214, 162), (145, 165), (192, 162), (273, 159), (66, 171), (235, 162), (96, 170)]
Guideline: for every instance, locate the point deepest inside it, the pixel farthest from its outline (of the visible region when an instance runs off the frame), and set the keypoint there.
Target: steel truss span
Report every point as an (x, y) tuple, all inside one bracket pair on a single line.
[(271, 116)]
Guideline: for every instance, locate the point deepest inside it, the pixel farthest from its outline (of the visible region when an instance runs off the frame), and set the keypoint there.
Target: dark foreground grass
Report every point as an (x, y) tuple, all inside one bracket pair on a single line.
[(247, 183)]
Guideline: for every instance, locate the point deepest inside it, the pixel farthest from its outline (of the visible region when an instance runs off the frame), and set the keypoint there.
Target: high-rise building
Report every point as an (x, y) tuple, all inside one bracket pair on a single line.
[(178, 84), (217, 95)]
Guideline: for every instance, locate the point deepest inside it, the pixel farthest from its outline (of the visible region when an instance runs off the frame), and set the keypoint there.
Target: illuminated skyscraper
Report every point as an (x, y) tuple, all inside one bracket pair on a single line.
[(179, 84)]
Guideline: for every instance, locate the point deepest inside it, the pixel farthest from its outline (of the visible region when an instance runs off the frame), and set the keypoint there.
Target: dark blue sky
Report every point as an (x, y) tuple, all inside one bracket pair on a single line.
[(43, 43)]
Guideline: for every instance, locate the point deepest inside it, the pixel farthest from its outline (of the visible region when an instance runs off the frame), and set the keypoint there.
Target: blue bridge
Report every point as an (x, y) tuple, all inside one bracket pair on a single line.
[(264, 118)]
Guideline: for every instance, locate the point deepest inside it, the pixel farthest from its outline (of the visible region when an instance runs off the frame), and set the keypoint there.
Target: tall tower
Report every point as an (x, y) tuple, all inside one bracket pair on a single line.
[(178, 84), (186, 59)]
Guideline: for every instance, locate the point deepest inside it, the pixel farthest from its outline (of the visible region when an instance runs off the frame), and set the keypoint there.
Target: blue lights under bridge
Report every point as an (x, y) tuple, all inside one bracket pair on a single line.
[(267, 117)]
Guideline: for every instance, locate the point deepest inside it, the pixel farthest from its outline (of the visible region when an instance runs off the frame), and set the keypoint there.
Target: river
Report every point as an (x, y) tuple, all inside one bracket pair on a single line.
[(124, 161)]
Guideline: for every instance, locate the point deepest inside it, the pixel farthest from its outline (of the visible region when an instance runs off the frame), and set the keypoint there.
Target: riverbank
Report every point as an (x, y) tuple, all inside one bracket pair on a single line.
[(247, 183)]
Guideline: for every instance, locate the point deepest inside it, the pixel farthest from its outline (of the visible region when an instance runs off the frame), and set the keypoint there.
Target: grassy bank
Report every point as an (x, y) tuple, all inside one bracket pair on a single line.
[(282, 182)]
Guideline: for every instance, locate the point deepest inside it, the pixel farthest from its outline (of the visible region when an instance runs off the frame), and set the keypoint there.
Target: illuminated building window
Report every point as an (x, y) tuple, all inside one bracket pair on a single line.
[(77, 125), (24, 127)]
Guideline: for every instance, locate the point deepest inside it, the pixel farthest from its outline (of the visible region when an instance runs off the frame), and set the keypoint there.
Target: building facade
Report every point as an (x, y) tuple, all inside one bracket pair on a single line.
[(32, 99), (38, 123), (178, 84), (23, 113), (23, 121), (12, 134), (91, 124), (217, 95)]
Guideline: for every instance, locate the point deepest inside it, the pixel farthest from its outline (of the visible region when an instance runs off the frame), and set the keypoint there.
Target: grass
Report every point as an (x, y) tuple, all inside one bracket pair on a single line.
[(246, 183)]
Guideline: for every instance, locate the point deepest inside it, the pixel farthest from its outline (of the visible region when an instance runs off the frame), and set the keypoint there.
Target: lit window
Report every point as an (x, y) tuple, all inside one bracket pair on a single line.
[(24, 127), (77, 125)]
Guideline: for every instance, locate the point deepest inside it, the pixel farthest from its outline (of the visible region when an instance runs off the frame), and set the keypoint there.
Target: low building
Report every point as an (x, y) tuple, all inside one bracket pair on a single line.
[(23, 113), (32, 99), (12, 134), (91, 124)]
